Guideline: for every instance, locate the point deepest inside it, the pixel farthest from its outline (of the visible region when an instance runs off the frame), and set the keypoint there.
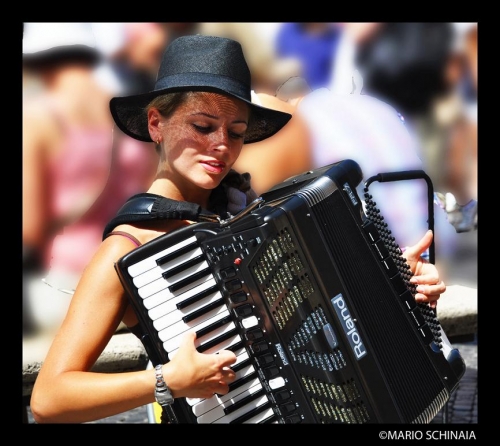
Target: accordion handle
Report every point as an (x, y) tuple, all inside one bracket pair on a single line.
[(412, 175)]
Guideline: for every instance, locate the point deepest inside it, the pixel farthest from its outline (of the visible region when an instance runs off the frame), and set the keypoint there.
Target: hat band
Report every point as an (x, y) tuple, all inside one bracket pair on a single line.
[(200, 81)]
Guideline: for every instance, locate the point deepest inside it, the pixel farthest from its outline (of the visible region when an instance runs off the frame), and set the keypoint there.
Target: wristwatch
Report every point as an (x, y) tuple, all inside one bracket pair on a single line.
[(163, 395)]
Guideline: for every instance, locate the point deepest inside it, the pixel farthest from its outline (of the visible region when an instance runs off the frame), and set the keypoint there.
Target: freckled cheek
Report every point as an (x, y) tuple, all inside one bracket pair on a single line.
[(179, 139)]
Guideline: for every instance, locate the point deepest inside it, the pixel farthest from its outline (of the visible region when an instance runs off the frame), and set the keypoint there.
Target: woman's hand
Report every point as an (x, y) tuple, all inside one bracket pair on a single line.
[(192, 374), (425, 274)]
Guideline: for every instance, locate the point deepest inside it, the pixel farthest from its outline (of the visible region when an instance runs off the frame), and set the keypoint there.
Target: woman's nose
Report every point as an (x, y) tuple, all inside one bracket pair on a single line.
[(220, 139)]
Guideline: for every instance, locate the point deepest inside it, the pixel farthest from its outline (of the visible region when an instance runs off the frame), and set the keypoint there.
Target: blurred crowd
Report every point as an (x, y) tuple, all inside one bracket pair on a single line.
[(391, 96)]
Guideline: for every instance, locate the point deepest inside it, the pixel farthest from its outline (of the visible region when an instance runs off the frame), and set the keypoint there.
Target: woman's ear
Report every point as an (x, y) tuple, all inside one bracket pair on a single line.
[(154, 124)]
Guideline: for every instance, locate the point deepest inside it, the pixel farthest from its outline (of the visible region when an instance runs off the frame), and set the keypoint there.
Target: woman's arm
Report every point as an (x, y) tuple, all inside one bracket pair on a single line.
[(67, 391)]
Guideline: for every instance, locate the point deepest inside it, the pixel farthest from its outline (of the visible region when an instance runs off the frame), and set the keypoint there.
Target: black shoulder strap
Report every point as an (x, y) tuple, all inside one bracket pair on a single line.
[(146, 207)]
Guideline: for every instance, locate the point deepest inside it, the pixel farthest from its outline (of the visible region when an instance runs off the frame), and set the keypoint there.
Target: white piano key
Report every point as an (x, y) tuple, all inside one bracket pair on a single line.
[(224, 345), (169, 327), (165, 294), (201, 406), (150, 262), (173, 343), (170, 306), (213, 334), (162, 283), (260, 417), (155, 273), (243, 356), (157, 299), (243, 410), (217, 412)]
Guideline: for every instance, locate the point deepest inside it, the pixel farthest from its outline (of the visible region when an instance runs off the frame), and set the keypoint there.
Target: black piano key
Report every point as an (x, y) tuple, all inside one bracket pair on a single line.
[(191, 300), (255, 411), (217, 340), (244, 401), (176, 253), (186, 281), (241, 365), (214, 326), (183, 266), (203, 310), (236, 346), (242, 381)]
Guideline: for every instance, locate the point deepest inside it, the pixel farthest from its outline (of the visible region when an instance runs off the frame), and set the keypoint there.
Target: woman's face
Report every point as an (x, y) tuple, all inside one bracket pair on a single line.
[(202, 140)]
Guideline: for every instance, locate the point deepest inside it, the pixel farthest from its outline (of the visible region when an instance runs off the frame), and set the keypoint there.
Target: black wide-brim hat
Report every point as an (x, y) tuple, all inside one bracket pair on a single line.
[(199, 63)]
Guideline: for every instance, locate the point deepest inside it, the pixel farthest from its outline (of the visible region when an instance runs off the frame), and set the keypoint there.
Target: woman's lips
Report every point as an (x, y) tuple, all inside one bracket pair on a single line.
[(213, 166)]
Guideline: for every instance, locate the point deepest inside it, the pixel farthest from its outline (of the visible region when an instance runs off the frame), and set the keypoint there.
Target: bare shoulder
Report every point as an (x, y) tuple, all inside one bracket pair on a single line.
[(128, 235), (270, 101)]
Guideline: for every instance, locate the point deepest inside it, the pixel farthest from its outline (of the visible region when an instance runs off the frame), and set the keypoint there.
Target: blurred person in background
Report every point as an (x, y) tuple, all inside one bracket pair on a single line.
[(314, 45), (74, 167), (410, 66), (133, 52), (456, 114), (345, 78)]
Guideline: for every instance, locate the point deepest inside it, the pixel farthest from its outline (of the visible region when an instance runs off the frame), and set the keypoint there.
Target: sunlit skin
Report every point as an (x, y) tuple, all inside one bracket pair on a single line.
[(199, 144)]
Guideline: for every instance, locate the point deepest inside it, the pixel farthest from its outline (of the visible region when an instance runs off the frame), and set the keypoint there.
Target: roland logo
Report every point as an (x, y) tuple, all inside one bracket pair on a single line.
[(349, 326), (281, 353), (350, 193)]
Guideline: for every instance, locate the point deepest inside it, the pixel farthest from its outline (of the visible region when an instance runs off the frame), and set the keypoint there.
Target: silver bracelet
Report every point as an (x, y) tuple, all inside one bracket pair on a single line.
[(163, 395)]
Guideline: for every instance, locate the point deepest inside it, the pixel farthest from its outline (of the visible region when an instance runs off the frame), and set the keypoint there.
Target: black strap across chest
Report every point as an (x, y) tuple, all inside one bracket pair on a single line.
[(147, 207)]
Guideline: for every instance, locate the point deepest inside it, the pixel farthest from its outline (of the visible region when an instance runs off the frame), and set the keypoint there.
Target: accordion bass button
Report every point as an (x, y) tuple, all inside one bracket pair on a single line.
[(233, 285), (238, 297), (227, 273), (271, 372), (265, 360), (249, 322), (259, 347), (254, 334), (287, 408), (276, 383), (244, 310), (293, 419), (282, 395)]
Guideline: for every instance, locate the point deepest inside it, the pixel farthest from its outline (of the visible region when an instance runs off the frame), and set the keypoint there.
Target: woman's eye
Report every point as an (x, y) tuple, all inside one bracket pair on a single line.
[(236, 135), (201, 128)]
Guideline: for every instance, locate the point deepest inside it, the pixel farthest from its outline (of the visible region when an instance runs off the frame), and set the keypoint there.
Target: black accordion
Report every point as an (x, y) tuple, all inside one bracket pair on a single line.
[(312, 296)]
